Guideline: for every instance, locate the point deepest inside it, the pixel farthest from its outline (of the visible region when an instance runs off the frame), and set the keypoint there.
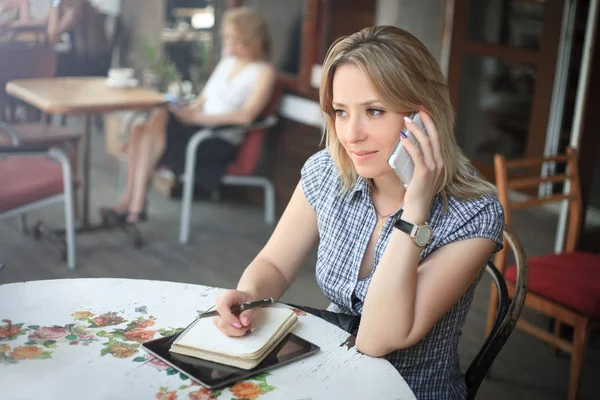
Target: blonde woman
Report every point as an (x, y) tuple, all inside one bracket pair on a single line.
[(411, 294), (236, 93)]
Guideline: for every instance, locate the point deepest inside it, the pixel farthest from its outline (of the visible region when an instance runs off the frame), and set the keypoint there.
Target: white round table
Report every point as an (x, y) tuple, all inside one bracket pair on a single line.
[(80, 338)]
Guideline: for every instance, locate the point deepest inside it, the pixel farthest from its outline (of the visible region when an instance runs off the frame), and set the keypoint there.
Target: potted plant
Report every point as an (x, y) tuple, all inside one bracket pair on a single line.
[(160, 72)]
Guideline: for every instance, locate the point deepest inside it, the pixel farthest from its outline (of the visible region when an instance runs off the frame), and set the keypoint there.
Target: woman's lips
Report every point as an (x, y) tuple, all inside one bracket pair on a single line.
[(363, 155)]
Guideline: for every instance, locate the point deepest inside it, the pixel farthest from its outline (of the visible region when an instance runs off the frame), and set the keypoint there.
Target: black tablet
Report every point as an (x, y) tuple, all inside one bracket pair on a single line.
[(214, 376)]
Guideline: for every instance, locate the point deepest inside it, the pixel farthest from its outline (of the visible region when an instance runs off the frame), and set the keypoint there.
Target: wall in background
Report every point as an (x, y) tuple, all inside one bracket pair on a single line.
[(423, 18), (141, 19)]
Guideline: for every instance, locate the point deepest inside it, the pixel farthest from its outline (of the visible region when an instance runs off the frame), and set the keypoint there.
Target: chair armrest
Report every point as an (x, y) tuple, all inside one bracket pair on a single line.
[(23, 151), (13, 31), (260, 123), (264, 123)]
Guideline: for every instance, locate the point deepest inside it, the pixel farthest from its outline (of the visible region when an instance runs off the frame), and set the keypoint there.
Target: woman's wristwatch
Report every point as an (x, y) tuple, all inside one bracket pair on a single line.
[(420, 234)]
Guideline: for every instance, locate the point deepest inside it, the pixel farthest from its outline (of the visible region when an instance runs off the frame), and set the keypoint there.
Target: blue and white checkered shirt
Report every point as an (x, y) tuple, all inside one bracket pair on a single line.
[(346, 222)]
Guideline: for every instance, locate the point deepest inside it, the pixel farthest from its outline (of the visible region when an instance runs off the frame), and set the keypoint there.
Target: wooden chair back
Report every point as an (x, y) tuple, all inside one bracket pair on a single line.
[(572, 194)]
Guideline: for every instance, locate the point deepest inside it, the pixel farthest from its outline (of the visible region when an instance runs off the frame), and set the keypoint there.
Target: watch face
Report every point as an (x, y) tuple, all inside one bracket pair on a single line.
[(423, 236)]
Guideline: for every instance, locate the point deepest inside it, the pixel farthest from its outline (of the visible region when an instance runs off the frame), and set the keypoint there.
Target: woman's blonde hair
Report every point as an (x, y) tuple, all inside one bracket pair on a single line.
[(406, 77), (253, 29)]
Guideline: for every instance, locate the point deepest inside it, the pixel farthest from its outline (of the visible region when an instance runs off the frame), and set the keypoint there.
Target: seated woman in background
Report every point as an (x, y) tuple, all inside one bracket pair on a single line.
[(236, 93), (89, 54), (404, 261)]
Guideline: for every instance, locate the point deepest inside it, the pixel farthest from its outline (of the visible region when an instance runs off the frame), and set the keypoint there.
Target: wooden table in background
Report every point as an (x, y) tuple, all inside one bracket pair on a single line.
[(82, 96), (80, 338)]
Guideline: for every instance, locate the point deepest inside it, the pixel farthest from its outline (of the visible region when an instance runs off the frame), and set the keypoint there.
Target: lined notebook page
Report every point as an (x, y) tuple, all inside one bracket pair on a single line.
[(206, 336)]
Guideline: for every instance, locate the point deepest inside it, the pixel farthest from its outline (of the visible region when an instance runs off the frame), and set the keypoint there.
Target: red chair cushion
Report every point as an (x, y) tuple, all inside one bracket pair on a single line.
[(570, 279), (248, 155), (25, 180)]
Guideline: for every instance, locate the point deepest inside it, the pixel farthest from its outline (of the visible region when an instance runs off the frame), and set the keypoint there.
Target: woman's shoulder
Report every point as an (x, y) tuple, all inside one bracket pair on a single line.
[(465, 209), (319, 163), (266, 71), (317, 170), (481, 216)]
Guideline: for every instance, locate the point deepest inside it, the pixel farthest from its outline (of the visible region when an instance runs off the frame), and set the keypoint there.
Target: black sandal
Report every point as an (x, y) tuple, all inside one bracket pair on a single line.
[(142, 216), (109, 212)]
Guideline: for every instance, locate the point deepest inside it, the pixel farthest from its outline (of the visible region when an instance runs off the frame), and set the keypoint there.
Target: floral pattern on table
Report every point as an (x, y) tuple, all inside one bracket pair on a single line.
[(120, 338), (42, 341), (246, 390)]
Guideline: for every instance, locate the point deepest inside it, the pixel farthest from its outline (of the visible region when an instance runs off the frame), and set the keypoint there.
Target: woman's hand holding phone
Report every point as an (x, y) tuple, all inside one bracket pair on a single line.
[(428, 168)]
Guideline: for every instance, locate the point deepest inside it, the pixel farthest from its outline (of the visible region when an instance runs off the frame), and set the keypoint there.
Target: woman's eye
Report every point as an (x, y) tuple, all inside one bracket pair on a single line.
[(340, 113), (375, 112)]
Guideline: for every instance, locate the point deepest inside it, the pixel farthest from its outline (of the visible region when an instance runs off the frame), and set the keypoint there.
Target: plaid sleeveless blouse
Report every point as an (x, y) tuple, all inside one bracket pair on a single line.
[(346, 222)]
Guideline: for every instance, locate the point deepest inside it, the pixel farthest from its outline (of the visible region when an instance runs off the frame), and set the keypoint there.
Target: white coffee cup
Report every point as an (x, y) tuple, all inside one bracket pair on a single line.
[(120, 74)]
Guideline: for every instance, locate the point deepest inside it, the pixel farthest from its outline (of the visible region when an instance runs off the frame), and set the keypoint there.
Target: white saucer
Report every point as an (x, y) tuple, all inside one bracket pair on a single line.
[(122, 84)]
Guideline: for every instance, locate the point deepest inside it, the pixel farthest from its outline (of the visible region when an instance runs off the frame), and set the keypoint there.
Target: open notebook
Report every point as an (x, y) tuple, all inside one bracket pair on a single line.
[(204, 340)]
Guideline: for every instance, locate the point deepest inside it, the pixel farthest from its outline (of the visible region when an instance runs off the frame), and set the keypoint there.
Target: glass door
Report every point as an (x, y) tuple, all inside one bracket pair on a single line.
[(501, 75)]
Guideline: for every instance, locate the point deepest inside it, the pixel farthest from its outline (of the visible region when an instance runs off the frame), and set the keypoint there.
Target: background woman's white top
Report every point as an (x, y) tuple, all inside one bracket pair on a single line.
[(224, 94)]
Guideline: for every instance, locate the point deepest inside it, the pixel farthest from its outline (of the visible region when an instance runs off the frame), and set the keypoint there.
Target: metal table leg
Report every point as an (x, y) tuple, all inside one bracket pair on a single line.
[(86, 172)]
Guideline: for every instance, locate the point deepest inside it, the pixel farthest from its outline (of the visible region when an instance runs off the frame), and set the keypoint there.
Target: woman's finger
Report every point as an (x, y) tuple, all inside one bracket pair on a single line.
[(230, 330), (424, 142), (246, 317), (413, 151), (434, 138), (223, 307)]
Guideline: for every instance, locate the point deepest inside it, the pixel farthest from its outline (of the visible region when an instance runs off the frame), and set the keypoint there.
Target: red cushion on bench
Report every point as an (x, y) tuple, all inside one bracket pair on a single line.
[(25, 180)]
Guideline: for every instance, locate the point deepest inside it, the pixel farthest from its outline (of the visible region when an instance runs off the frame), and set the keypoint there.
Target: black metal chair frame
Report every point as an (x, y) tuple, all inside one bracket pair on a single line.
[(506, 317)]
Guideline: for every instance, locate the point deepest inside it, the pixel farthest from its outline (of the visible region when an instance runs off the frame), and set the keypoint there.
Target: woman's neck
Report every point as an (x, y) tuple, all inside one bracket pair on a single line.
[(388, 193), (243, 60)]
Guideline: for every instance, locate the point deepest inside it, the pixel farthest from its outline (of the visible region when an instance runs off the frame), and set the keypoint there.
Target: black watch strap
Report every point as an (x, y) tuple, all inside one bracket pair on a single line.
[(404, 226)]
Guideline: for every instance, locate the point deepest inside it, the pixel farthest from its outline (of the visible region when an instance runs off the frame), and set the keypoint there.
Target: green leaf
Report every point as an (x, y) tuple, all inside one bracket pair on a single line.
[(45, 355), (105, 351), (4, 359), (217, 393), (72, 337), (101, 333), (30, 343), (182, 387), (163, 388), (48, 343), (171, 371), (261, 377), (34, 327), (139, 359), (183, 376), (264, 388)]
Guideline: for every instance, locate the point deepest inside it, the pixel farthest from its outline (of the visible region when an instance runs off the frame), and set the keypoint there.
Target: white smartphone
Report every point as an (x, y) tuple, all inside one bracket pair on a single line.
[(400, 160)]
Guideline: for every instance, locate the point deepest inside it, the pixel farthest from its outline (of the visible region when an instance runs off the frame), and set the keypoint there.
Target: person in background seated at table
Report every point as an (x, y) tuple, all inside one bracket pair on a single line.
[(236, 93), (14, 12), (89, 54), (412, 293)]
